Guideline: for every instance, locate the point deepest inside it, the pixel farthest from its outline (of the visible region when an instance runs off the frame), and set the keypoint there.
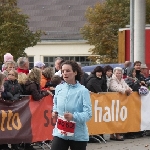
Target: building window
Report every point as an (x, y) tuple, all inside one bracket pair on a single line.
[(50, 61), (31, 62)]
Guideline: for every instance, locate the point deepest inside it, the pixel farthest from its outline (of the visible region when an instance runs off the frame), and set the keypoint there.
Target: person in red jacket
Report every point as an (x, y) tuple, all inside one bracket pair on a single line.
[(23, 65)]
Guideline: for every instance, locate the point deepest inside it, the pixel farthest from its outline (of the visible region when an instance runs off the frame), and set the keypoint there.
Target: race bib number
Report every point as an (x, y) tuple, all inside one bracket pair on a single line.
[(65, 127)]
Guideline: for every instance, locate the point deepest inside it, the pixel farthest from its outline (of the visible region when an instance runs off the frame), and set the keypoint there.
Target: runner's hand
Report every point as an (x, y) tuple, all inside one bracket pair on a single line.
[(68, 116), (54, 114)]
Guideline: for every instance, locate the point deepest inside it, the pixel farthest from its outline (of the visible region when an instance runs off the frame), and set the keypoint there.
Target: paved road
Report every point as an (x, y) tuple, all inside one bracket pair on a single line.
[(129, 144)]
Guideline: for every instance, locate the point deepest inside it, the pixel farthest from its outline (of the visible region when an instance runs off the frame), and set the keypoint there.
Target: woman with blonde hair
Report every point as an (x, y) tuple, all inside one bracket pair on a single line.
[(32, 85), (22, 78)]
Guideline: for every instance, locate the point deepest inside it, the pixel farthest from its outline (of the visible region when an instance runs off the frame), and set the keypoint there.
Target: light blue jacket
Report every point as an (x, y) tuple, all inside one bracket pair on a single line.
[(76, 100)]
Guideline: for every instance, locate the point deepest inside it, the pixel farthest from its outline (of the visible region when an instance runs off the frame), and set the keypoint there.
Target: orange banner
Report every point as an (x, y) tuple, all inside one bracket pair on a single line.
[(115, 113), (26, 120), (30, 121), (42, 123)]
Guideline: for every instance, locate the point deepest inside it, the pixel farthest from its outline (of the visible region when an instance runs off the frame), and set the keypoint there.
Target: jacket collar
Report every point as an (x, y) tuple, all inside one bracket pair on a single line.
[(72, 85)]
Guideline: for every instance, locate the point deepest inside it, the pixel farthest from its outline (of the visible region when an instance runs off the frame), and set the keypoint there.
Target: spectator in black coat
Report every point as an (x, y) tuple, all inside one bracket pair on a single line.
[(84, 76), (137, 67), (96, 82), (132, 81)]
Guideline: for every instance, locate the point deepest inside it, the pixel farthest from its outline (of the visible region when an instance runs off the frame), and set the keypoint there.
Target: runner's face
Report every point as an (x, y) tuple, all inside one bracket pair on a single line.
[(68, 74)]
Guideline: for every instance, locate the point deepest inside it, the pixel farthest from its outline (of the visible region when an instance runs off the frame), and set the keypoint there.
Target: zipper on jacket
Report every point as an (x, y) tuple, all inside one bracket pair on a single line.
[(66, 100)]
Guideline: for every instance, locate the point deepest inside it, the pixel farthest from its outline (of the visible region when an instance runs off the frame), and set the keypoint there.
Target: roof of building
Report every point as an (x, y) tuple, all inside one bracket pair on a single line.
[(59, 19)]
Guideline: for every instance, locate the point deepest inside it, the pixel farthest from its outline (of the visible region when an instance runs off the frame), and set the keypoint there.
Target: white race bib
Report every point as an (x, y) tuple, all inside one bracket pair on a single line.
[(65, 127)]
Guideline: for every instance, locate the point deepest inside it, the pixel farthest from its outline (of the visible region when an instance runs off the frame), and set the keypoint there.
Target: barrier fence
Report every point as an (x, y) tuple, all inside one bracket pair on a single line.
[(30, 121)]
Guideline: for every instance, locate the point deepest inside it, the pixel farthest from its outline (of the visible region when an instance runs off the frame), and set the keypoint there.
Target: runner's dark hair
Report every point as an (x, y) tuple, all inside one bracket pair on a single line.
[(75, 68)]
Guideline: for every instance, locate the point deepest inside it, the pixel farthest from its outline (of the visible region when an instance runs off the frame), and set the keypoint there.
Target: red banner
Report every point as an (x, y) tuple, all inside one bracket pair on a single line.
[(26, 120)]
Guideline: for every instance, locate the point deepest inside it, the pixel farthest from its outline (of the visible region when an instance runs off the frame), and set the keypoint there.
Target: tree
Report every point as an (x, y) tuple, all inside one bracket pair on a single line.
[(104, 21), (15, 34)]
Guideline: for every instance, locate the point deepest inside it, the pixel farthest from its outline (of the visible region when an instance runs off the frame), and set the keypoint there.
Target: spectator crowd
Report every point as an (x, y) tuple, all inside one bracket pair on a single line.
[(16, 80)]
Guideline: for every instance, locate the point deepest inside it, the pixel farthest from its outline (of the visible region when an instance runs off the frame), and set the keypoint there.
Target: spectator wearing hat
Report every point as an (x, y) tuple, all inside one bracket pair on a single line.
[(7, 58), (144, 70), (39, 64)]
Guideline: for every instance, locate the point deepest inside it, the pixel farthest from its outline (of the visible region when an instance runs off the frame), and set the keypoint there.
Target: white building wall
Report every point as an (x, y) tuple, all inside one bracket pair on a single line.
[(59, 48)]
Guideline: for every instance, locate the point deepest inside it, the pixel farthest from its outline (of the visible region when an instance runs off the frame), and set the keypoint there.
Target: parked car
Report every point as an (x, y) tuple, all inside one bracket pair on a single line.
[(89, 69)]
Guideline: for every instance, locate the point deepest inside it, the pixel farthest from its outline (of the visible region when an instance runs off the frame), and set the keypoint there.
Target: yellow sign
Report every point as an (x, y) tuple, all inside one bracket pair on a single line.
[(115, 113)]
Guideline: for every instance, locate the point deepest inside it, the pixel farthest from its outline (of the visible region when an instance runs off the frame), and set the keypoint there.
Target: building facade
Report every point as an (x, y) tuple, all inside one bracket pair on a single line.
[(47, 51), (61, 21)]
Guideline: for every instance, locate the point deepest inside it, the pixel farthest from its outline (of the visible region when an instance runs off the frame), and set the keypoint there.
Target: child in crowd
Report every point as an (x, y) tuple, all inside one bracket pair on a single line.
[(7, 57), (55, 80), (12, 87), (9, 65), (2, 79), (22, 78), (47, 74)]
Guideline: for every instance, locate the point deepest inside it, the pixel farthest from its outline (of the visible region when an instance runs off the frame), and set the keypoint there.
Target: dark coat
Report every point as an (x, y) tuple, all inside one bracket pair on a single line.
[(84, 79), (33, 89), (95, 84), (13, 89), (133, 84), (139, 76)]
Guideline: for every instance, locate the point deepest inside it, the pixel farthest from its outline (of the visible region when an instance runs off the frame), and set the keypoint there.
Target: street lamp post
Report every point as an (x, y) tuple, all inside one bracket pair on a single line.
[(132, 30), (139, 30)]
